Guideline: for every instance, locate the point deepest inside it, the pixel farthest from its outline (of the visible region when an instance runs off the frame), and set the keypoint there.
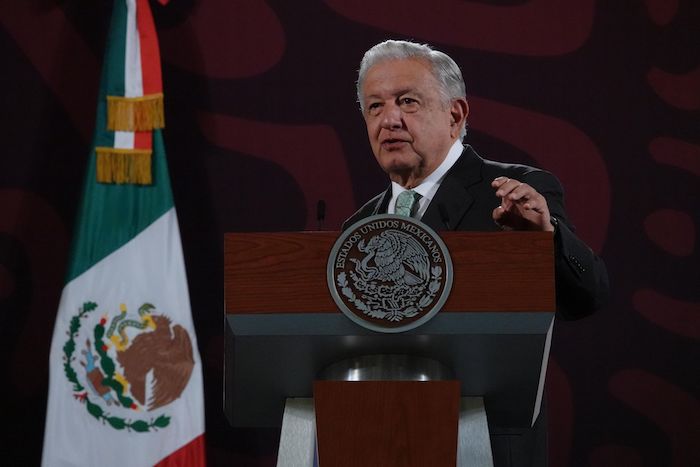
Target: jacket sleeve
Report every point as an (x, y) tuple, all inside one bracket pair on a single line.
[(582, 285)]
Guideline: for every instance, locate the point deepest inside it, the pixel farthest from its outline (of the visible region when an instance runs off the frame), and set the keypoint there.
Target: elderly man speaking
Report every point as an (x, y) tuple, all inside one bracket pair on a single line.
[(413, 100)]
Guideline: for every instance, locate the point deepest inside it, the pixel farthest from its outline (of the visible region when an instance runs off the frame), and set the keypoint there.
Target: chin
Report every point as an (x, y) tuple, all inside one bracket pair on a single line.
[(397, 162)]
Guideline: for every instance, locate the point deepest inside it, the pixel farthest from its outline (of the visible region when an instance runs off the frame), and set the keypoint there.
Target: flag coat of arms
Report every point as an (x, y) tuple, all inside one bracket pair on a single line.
[(125, 384)]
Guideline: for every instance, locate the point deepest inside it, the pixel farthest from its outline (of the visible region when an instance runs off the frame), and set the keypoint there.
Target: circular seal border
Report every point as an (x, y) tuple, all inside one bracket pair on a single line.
[(330, 276)]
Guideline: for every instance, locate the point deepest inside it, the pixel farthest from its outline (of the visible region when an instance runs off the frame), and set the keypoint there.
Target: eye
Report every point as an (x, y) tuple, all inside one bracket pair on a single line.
[(374, 108), (408, 104)]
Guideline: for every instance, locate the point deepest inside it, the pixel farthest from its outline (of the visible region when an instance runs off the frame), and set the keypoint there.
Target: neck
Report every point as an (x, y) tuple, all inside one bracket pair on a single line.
[(408, 181)]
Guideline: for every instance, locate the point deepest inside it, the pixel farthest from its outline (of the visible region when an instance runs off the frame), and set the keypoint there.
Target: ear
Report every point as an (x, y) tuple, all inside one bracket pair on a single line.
[(458, 116)]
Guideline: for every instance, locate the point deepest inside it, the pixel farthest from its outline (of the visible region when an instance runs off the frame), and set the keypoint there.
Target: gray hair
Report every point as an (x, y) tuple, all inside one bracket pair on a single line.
[(445, 70)]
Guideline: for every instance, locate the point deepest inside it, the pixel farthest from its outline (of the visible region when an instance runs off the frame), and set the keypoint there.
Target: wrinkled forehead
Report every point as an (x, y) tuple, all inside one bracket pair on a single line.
[(398, 74)]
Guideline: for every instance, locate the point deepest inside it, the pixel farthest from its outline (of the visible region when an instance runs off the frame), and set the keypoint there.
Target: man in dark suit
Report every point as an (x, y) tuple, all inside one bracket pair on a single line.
[(413, 100)]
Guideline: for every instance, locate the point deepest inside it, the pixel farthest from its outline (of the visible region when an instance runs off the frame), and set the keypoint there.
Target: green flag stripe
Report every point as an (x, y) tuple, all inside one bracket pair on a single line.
[(114, 76), (113, 81), (111, 215)]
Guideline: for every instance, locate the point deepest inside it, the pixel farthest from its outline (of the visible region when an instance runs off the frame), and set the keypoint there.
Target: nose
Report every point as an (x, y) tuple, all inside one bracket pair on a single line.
[(391, 118)]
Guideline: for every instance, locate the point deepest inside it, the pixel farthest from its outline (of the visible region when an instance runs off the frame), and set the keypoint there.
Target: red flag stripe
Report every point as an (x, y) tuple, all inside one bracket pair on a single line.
[(150, 52), (190, 455), (143, 140)]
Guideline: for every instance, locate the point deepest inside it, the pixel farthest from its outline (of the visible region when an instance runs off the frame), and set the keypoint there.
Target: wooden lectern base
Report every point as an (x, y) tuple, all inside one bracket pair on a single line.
[(298, 437), (387, 423)]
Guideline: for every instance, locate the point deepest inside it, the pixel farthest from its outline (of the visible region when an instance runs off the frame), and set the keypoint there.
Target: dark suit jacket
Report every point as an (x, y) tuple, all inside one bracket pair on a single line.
[(466, 200)]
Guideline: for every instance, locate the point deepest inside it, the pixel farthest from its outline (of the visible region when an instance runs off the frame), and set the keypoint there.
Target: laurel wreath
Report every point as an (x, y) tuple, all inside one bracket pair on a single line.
[(410, 312), (433, 287), (119, 423), (347, 291)]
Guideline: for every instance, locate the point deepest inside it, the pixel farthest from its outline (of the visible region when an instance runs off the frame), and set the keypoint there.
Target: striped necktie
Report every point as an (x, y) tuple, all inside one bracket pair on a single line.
[(406, 203)]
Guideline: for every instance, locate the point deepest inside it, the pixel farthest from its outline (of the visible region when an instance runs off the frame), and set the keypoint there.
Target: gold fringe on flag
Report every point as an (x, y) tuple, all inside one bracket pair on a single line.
[(135, 113), (115, 165)]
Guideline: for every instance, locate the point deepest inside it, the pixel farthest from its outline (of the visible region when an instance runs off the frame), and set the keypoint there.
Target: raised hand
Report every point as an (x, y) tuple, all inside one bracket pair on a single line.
[(522, 207)]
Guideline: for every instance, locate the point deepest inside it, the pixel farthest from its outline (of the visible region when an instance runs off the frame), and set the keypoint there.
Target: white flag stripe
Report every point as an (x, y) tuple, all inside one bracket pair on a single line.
[(124, 139), (133, 81), (148, 269)]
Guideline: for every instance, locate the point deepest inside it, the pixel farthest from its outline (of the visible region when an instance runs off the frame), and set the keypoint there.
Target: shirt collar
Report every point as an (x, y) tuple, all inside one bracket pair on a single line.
[(430, 185)]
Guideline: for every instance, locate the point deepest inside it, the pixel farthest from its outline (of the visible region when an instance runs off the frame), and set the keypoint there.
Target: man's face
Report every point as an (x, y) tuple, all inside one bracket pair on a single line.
[(409, 125)]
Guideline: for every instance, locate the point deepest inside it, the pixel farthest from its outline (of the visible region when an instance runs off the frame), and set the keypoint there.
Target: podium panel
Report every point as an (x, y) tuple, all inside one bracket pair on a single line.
[(387, 423), (283, 329)]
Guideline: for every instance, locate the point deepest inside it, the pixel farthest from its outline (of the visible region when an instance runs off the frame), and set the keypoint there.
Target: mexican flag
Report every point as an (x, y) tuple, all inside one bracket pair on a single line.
[(125, 384)]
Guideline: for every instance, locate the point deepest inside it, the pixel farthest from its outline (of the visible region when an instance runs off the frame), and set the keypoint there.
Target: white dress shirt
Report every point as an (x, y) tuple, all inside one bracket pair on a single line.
[(430, 185)]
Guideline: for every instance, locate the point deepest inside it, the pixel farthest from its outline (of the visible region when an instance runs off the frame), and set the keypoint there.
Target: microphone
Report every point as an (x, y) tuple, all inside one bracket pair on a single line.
[(320, 213), (444, 216)]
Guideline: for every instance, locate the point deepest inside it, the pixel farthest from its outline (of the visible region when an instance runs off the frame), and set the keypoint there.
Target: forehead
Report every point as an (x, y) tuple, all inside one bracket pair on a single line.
[(393, 76)]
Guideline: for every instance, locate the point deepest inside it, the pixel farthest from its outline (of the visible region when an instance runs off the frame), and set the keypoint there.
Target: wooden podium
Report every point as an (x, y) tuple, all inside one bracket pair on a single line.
[(283, 329)]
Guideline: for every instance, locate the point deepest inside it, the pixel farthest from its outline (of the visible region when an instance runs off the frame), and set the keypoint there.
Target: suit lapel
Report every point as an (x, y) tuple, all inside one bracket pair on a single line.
[(382, 205), (453, 199)]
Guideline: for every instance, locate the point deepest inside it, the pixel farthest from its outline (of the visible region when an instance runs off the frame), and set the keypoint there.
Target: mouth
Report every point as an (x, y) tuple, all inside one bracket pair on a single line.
[(393, 143)]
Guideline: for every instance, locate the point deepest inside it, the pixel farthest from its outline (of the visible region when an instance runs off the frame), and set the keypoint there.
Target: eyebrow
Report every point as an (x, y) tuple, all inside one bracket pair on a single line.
[(400, 92)]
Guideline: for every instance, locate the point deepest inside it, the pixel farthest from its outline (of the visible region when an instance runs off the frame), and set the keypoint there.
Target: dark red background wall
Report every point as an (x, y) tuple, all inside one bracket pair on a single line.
[(262, 123)]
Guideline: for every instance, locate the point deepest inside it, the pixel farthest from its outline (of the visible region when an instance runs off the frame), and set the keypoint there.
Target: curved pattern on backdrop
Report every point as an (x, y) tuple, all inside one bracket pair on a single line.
[(561, 27)]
